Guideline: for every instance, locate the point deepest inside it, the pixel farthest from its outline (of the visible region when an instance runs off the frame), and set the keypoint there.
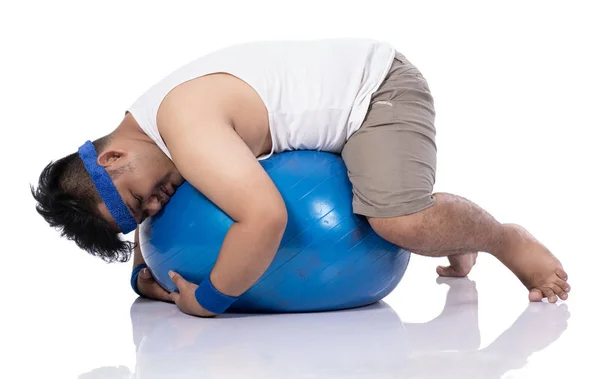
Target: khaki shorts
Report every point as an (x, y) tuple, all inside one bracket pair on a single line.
[(391, 158)]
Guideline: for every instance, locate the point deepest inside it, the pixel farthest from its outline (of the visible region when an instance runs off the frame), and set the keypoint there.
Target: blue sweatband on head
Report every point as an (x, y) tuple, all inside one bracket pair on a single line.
[(106, 189), (211, 299), (134, 276)]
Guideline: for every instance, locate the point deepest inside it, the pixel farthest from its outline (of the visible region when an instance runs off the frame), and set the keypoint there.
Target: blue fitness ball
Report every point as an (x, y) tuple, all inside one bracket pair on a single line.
[(329, 258)]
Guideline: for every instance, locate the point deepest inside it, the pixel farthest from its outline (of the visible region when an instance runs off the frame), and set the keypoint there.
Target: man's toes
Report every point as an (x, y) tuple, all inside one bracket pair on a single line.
[(535, 295), (562, 274), (448, 271), (550, 294), (559, 291), (561, 288), (563, 285), (563, 295)]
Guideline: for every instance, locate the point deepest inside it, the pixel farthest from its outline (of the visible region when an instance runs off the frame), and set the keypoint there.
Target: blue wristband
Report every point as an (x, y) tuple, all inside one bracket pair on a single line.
[(134, 276), (211, 299)]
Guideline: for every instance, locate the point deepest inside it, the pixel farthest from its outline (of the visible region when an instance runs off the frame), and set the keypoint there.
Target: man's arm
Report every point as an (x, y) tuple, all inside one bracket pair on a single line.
[(214, 159), (138, 259), (145, 283)]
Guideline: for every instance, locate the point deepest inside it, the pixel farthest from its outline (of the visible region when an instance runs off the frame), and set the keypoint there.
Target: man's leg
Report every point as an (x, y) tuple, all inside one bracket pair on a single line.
[(391, 163), (454, 225)]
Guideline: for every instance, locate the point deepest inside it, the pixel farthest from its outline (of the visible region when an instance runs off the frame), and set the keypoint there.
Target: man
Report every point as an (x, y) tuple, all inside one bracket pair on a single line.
[(212, 120)]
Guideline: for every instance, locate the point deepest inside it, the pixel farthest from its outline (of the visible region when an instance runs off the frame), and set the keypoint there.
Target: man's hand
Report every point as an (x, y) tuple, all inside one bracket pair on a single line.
[(186, 298), (149, 288)]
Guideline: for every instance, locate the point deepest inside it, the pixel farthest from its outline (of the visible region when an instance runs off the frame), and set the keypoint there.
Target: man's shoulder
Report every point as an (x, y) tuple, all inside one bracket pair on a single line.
[(206, 95)]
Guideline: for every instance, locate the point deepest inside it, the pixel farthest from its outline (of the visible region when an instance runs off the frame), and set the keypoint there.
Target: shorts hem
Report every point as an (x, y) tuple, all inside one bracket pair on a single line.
[(393, 211)]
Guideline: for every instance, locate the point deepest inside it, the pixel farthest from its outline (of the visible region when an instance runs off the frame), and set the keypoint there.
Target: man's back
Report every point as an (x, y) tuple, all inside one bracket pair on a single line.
[(316, 93)]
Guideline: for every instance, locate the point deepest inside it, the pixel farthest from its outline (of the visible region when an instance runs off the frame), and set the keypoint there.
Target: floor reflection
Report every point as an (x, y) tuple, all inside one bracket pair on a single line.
[(368, 342)]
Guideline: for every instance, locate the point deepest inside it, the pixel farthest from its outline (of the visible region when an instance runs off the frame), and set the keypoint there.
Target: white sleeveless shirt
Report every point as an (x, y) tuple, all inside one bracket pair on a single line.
[(317, 93)]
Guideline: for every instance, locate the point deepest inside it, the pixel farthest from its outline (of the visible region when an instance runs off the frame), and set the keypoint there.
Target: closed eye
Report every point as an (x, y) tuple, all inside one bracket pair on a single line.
[(137, 198), (139, 208), (135, 210)]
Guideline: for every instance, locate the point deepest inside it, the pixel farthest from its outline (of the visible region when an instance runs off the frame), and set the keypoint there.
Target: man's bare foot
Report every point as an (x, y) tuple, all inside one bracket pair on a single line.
[(533, 264), (460, 265)]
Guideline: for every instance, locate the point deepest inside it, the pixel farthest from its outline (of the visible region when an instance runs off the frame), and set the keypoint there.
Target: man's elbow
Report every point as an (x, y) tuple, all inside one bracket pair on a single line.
[(276, 218), (271, 217)]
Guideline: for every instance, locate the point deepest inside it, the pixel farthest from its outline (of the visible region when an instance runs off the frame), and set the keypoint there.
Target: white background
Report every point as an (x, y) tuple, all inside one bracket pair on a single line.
[(516, 86)]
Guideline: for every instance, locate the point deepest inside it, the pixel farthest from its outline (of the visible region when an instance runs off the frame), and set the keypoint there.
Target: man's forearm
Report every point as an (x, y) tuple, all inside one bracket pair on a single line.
[(247, 251), (138, 259)]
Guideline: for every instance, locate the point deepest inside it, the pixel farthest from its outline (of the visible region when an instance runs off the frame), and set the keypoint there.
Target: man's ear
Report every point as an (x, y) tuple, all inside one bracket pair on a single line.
[(111, 157)]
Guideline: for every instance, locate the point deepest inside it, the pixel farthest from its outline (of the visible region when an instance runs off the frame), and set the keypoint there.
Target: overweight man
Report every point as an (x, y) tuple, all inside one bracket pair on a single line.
[(210, 122)]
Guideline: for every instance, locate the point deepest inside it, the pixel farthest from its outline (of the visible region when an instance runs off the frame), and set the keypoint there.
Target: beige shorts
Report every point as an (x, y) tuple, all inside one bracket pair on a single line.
[(391, 158)]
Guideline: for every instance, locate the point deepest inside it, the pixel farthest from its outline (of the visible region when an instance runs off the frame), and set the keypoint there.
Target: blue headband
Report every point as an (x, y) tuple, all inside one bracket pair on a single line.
[(107, 190)]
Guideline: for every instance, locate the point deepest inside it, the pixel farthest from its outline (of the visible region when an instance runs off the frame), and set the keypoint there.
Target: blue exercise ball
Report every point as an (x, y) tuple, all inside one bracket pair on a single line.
[(329, 258)]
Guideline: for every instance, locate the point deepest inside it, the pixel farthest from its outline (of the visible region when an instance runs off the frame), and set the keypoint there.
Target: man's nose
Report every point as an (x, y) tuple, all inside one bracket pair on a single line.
[(153, 206)]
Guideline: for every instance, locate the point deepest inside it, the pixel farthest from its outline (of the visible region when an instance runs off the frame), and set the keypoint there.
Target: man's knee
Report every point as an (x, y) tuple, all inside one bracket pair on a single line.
[(381, 226), (405, 231)]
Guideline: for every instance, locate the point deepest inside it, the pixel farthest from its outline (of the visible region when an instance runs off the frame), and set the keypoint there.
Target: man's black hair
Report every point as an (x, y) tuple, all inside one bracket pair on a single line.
[(67, 199)]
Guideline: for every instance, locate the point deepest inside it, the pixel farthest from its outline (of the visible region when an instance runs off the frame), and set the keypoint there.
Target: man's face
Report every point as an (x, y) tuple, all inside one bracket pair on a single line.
[(145, 182)]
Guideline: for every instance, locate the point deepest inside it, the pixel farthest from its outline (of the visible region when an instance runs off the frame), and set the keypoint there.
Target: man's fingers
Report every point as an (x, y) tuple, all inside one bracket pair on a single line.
[(150, 287), (160, 293), (177, 280), (175, 297), (145, 274)]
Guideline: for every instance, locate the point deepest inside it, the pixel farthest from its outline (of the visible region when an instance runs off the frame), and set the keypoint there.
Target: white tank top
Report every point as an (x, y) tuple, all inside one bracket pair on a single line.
[(316, 92)]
